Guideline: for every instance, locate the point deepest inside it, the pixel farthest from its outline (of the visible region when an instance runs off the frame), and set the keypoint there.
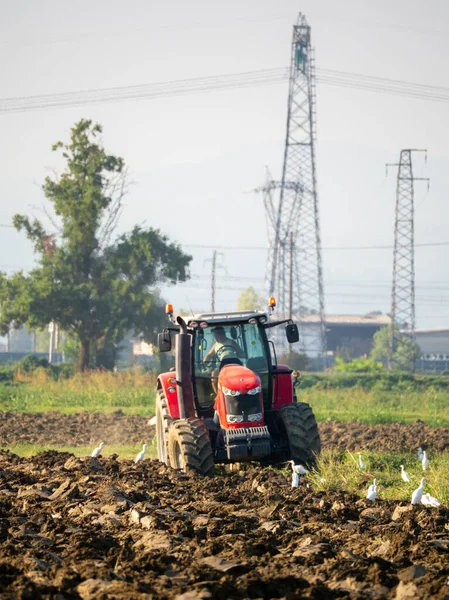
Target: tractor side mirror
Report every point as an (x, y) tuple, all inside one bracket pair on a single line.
[(292, 333), (164, 341)]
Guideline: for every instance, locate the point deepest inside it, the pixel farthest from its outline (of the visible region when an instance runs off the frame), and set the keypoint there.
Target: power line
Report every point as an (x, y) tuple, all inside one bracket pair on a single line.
[(216, 83), (265, 248), (372, 247)]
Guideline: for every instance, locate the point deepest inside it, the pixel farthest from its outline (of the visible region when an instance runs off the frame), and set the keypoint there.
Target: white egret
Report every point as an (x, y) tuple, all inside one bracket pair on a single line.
[(417, 494), (298, 468), (297, 471), (372, 492), (405, 476), (97, 451), (420, 454), (429, 500), (139, 457), (361, 463), (425, 461)]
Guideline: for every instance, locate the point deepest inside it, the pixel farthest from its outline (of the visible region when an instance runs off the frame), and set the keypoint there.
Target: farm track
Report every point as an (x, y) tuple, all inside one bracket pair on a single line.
[(83, 429), (74, 528)]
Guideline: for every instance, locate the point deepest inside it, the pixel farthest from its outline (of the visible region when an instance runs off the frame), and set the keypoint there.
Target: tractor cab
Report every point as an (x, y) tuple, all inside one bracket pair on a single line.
[(235, 341)]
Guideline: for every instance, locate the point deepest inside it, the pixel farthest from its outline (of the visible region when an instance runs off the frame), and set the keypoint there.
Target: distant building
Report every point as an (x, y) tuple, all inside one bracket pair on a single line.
[(434, 346), (142, 348), (20, 340), (434, 343), (348, 335)]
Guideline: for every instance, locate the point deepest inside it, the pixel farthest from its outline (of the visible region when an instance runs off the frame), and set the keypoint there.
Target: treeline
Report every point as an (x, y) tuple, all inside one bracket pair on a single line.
[(385, 381)]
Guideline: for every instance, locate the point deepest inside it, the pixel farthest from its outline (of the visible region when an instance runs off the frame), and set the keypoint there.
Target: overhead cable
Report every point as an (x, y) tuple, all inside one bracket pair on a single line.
[(211, 83)]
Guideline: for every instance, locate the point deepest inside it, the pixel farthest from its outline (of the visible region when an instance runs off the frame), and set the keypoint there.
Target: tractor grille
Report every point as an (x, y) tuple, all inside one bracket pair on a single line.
[(243, 407)]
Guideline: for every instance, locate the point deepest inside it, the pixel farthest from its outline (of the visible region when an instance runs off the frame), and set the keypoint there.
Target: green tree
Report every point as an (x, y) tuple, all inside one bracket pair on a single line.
[(249, 299), (92, 286), (405, 352)]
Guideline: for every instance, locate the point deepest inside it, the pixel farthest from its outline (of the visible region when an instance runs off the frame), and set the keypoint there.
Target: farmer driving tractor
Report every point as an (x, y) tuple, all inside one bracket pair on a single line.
[(223, 348)]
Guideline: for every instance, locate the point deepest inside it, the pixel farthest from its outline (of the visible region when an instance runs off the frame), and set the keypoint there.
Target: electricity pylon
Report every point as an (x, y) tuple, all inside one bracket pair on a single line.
[(294, 221), (403, 289)]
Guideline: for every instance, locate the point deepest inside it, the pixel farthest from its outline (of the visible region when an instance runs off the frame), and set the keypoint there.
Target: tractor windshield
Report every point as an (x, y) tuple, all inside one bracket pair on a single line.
[(217, 345)]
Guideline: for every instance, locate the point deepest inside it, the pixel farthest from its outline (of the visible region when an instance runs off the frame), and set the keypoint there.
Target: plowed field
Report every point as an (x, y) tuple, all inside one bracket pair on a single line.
[(53, 428), (90, 529)]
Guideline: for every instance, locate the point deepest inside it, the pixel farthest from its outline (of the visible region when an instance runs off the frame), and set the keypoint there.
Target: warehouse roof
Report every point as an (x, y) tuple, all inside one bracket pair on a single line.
[(348, 319), (424, 331)]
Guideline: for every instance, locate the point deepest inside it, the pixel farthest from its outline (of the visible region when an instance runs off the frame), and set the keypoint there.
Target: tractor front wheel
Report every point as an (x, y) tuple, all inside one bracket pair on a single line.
[(163, 421), (301, 428), (189, 447)]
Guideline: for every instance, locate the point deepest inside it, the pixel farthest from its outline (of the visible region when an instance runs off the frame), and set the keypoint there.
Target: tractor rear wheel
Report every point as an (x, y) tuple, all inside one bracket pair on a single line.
[(302, 432), (163, 421), (189, 447)]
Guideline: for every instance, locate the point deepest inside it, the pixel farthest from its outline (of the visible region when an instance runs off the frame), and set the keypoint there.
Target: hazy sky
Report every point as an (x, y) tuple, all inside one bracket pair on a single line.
[(193, 156)]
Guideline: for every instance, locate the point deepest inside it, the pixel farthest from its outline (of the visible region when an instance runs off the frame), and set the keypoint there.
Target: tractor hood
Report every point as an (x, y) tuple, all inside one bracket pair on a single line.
[(238, 379)]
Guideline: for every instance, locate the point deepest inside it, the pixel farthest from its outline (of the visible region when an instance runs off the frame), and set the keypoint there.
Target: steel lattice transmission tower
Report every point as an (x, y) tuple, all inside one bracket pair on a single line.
[(403, 289), (294, 221)]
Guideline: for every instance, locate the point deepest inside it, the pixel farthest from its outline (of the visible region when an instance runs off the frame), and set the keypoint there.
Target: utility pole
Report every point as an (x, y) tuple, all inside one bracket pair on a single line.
[(214, 272), (403, 288), (296, 215), (215, 266)]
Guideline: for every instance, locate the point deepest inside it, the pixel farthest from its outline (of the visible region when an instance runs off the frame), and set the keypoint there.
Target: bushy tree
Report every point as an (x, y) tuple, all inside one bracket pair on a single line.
[(94, 287), (358, 365), (405, 351)]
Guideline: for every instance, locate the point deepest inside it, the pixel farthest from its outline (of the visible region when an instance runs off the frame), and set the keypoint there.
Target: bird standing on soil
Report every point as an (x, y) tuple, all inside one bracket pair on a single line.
[(361, 463), (372, 492), (429, 500), (405, 476), (425, 461), (297, 471), (417, 494), (420, 454), (97, 450), (139, 457)]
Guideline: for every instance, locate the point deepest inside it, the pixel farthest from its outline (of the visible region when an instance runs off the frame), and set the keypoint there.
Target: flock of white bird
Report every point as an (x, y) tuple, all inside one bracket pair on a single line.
[(139, 458), (418, 495)]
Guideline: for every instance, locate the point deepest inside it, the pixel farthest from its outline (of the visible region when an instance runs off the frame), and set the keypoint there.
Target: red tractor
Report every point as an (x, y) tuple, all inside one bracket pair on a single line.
[(228, 400)]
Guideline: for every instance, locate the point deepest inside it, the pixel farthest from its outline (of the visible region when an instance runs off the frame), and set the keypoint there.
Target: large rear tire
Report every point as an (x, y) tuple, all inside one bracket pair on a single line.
[(302, 432), (163, 422), (189, 447)]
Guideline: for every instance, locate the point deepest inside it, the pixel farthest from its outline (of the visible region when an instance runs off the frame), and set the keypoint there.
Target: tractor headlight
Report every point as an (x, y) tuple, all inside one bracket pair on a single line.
[(234, 418), (228, 392), (254, 391), (255, 417)]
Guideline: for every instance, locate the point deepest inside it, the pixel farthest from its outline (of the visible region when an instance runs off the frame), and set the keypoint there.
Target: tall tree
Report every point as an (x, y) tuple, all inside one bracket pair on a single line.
[(406, 350), (89, 284)]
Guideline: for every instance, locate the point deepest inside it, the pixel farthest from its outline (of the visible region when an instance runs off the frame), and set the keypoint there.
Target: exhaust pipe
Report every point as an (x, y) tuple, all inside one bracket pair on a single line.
[(184, 371)]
